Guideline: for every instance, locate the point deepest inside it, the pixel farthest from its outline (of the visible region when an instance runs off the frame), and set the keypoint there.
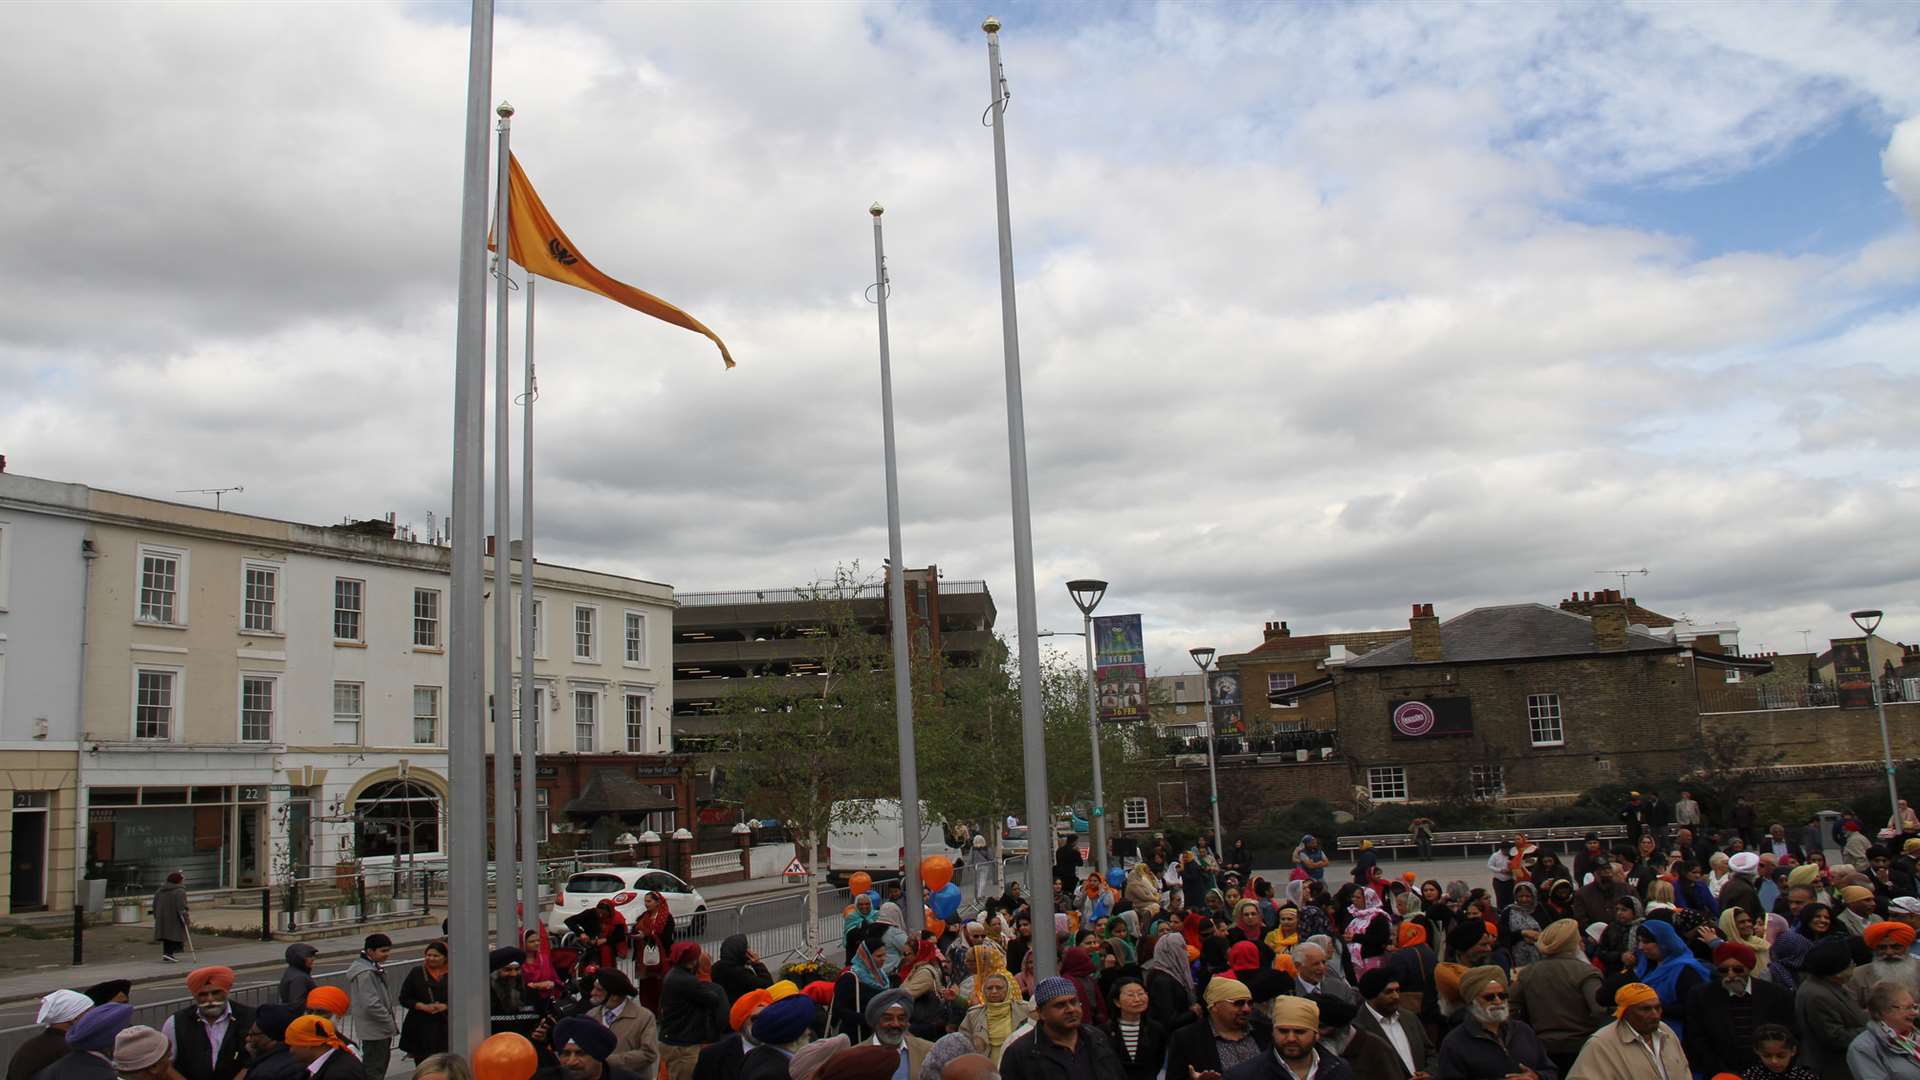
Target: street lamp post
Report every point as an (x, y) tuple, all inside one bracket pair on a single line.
[(1868, 622), (1204, 658), (1087, 593)]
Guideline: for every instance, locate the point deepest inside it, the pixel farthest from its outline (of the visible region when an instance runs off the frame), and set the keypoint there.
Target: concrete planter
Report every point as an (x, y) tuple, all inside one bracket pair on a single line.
[(126, 914), (320, 917)]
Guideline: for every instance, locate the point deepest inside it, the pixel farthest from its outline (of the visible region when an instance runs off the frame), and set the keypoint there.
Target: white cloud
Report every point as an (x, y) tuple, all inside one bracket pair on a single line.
[(1902, 163), (1305, 334)]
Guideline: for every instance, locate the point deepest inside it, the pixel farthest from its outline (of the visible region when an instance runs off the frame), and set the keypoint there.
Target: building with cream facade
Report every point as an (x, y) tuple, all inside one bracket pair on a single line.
[(264, 698)]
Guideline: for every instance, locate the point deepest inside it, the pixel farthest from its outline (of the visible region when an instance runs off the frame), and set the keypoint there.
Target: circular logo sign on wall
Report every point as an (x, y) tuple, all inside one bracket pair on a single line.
[(1413, 718)]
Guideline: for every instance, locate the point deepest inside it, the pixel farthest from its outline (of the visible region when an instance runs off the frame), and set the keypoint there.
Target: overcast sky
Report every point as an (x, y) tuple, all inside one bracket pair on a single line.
[(1325, 309)]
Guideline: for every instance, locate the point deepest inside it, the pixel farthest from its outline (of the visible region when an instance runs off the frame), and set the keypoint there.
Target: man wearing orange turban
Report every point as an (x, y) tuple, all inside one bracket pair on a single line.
[(313, 1042), (1891, 960), (1621, 1049), (328, 1001), (209, 1037)]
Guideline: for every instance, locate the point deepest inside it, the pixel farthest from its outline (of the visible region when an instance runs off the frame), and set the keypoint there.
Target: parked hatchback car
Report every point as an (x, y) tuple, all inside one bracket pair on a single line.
[(627, 887)]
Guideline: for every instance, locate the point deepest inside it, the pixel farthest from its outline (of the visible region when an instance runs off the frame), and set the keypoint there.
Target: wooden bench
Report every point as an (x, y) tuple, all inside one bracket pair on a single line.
[(1567, 836)]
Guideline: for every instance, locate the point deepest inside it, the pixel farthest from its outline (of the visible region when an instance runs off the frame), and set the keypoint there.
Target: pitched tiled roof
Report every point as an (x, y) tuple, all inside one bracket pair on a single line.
[(1317, 644), (1510, 632), (610, 791)]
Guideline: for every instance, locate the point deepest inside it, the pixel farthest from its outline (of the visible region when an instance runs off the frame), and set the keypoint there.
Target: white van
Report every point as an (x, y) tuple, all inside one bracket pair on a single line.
[(879, 846)]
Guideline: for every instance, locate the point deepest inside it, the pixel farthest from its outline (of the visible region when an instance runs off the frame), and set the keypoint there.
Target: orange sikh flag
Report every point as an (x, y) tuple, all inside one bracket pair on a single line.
[(536, 242)]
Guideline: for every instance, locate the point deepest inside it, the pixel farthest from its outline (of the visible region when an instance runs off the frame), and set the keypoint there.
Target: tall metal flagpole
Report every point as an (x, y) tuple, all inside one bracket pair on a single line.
[(503, 830), (529, 753), (1032, 722), (466, 688), (897, 612)]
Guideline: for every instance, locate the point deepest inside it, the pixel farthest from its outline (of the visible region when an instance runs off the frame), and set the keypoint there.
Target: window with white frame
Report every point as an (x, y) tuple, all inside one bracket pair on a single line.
[(540, 804), (586, 719), (349, 604), (539, 717), (426, 716), (348, 711), (1489, 781), (162, 581), (426, 618), (1133, 813), (1387, 783), (539, 642), (260, 604), (1282, 680), (256, 708), (155, 700), (585, 627), (637, 705), (636, 638), (1543, 720)]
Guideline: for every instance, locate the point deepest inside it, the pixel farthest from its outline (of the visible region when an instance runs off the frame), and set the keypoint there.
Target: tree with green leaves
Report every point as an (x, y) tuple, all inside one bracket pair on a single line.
[(813, 750)]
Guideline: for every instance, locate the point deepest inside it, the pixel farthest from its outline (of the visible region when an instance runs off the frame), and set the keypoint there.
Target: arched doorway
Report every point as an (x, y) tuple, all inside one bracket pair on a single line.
[(396, 819)]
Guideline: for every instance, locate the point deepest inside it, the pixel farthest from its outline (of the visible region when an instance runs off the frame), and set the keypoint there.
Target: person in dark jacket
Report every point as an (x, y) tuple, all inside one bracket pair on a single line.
[(269, 1058), (1722, 1015), (1138, 1039), (423, 998), (692, 1013), (739, 970), (90, 1045), (209, 1036), (1488, 1041), (776, 1033), (1058, 1047), (1169, 982), (58, 1011), (1296, 1035), (170, 916), (1224, 1039), (297, 980)]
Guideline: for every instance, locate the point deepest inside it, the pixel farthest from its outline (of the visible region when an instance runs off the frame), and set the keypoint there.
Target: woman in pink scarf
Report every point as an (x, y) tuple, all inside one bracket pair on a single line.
[(1361, 914)]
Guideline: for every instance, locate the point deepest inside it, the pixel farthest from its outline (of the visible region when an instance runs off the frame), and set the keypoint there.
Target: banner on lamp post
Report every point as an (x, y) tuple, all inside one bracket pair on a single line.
[(1120, 667), (1223, 690)]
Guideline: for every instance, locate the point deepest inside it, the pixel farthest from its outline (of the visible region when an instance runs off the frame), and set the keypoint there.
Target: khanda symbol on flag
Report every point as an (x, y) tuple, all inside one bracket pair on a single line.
[(537, 243)]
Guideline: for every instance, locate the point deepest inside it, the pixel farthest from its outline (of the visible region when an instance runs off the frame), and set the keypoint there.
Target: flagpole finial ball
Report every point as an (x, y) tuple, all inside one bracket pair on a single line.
[(876, 209), (990, 24), (505, 109)]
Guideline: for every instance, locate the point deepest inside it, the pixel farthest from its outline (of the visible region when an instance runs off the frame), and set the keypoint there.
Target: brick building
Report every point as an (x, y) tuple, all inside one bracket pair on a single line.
[(1522, 702), (584, 801), (1282, 662)]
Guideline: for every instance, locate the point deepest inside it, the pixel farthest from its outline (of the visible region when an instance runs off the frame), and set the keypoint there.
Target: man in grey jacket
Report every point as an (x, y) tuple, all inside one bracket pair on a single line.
[(1560, 997), (371, 1021)]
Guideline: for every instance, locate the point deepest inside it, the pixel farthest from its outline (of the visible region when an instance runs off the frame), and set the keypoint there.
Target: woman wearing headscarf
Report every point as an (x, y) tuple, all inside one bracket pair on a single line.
[(855, 987), (1556, 901), (1026, 980), (1737, 925), (992, 1020), (1313, 910), (739, 970), (1143, 890), (1668, 966), (920, 978), (983, 961), (652, 942), (1368, 931), (1076, 966), (1286, 934), (1519, 924), (1783, 963), (1169, 981)]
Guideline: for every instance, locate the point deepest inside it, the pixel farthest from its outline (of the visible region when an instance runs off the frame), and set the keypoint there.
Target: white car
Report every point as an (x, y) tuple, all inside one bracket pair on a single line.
[(627, 887)]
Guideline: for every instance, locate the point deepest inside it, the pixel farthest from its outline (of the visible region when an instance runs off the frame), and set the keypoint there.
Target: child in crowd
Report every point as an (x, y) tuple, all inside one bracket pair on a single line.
[(1776, 1046)]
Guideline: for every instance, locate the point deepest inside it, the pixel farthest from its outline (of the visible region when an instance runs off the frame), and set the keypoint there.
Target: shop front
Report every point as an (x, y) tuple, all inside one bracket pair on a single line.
[(215, 835)]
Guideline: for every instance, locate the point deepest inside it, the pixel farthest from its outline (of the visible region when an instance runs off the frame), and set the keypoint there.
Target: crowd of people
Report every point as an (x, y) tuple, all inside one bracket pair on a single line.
[(1680, 953)]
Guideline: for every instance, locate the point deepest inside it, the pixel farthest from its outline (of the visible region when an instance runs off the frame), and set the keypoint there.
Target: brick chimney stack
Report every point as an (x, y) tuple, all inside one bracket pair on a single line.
[(1276, 630), (1609, 621), (1426, 634)]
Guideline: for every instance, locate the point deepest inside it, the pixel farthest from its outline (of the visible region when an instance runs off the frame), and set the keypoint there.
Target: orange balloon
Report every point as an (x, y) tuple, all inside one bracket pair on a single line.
[(936, 924), (859, 883), (506, 1056), (935, 872)]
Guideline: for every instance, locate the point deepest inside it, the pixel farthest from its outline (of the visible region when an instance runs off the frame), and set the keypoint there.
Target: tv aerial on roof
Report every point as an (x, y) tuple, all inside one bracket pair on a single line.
[(1623, 575)]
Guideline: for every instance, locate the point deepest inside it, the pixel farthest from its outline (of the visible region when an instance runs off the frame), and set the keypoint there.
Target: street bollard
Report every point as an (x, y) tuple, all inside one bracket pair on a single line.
[(266, 914), (79, 933)]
